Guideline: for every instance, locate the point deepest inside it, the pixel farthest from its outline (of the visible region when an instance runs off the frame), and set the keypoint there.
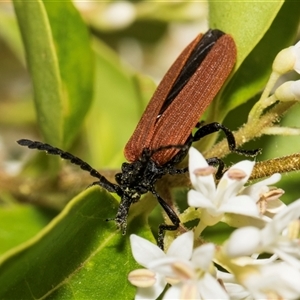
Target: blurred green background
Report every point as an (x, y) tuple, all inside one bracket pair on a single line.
[(97, 65)]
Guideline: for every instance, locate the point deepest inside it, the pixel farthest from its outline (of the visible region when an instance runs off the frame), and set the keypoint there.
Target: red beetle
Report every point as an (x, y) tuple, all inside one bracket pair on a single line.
[(164, 134)]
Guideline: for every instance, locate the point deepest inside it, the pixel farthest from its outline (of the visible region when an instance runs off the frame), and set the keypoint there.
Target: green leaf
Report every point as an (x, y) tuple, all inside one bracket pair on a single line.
[(246, 21), (60, 62), (78, 255), (258, 30), (18, 223)]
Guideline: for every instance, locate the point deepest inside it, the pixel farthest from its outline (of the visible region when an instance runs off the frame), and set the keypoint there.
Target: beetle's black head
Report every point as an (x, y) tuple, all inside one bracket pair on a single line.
[(131, 174)]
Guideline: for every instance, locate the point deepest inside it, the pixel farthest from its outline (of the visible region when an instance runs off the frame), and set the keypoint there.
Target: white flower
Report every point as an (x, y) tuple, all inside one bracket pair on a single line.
[(235, 290), (296, 50), (279, 237), (214, 202), (277, 280), (288, 91), (265, 197), (287, 60), (192, 278), (151, 284)]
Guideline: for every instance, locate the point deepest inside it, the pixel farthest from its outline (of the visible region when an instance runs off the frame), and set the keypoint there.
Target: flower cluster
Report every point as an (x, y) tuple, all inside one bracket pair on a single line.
[(260, 259), (286, 60), (270, 228), (187, 270)]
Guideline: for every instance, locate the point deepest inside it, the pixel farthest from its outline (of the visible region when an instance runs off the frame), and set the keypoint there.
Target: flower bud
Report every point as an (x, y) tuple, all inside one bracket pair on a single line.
[(288, 91), (287, 60)]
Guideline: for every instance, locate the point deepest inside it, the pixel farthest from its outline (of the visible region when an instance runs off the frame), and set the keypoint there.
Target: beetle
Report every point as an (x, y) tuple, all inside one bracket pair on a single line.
[(164, 133)]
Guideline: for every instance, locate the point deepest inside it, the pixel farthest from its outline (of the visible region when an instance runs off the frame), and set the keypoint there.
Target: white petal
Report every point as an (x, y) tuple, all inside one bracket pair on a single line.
[(144, 251), (151, 292), (182, 246), (296, 50), (281, 221), (196, 160), (210, 288), (173, 292), (285, 60), (165, 266), (242, 205), (270, 180), (291, 260), (275, 206), (246, 166), (239, 221), (227, 187), (285, 92), (197, 199), (202, 256), (237, 292), (234, 290), (189, 290), (226, 277), (204, 184), (277, 278), (243, 241), (254, 190), (291, 278), (295, 87)]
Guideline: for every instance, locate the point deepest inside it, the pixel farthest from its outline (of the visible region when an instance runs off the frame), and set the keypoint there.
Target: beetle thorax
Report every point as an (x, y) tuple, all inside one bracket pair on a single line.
[(138, 177)]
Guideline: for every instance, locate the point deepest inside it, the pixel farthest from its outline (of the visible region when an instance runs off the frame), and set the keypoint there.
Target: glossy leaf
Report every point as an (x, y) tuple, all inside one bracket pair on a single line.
[(60, 62), (246, 21), (259, 34), (18, 223), (79, 254)]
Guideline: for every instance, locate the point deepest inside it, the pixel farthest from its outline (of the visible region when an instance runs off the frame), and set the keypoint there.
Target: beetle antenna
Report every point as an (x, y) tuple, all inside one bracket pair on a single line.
[(73, 159)]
